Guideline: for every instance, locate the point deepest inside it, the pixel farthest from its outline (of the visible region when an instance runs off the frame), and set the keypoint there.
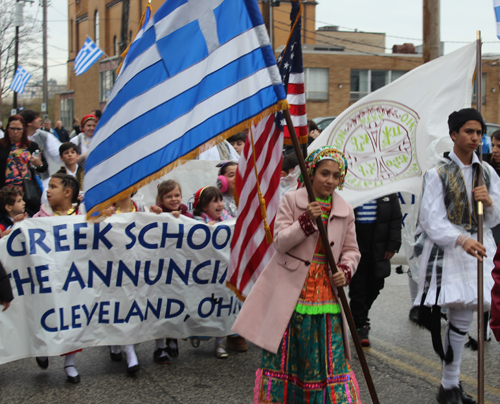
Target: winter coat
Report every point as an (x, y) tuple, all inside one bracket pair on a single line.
[(386, 234), (272, 300)]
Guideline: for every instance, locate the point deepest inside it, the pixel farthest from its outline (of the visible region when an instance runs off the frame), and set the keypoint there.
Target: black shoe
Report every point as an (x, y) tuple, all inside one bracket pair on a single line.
[(43, 363), (363, 336), (466, 399), (449, 396), (115, 356), (172, 352), (158, 358), (72, 379), (414, 313), (133, 369)]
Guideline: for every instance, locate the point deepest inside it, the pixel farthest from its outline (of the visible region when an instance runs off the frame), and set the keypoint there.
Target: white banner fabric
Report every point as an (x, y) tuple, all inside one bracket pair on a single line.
[(131, 278)]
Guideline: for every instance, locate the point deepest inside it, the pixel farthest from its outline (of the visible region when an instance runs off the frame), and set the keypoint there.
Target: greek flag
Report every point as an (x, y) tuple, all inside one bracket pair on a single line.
[(88, 55), (20, 79), (496, 7), (201, 71)]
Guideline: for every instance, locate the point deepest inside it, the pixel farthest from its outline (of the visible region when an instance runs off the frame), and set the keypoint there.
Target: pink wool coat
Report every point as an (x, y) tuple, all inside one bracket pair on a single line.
[(269, 306)]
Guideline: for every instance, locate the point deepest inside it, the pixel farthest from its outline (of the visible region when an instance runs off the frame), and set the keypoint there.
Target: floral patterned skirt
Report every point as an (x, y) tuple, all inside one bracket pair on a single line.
[(310, 366)]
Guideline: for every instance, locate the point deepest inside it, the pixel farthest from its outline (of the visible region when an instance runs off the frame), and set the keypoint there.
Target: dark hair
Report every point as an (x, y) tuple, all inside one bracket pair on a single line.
[(67, 146), (289, 162), (68, 181), (29, 115), (223, 169), (164, 188), (496, 135), (238, 136), (8, 196), (97, 113), (24, 139), (207, 196), (311, 125)]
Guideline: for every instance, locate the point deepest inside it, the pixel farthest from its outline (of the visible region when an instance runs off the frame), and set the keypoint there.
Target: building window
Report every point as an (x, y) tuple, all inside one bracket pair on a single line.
[(96, 27), (316, 84), (115, 45), (107, 80), (67, 112), (363, 82), (483, 90)]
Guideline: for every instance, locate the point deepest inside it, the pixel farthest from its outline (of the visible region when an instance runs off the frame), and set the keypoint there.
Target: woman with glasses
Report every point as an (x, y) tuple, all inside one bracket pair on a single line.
[(17, 162)]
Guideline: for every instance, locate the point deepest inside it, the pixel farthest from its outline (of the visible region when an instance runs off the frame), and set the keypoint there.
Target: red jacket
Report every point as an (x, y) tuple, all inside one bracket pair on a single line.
[(495, 297)]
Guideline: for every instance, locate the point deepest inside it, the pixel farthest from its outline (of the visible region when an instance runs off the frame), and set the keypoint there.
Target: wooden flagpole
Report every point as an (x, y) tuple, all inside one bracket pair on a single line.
[(331, 260), (480, 219)]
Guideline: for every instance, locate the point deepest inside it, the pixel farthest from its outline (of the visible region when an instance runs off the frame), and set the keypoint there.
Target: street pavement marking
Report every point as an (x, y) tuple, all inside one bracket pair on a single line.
[(426, 362)]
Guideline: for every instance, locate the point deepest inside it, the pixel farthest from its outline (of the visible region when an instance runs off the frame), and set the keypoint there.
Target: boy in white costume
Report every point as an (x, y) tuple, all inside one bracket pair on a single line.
[(447, 231)]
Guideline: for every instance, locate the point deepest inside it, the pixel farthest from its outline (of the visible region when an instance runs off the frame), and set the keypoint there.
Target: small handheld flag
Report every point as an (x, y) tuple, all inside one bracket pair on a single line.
[(20, 79), (87, 56)]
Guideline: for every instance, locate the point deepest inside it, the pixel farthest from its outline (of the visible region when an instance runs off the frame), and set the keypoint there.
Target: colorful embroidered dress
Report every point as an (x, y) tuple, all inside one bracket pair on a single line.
[(17, 166), (310, 366)]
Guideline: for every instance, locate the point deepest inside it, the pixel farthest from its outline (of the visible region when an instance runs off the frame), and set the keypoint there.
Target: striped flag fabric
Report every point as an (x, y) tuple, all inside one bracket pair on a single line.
[(496, 8), (87, 56), (250, 251), (166, 109), (292, 74), (20, 79)]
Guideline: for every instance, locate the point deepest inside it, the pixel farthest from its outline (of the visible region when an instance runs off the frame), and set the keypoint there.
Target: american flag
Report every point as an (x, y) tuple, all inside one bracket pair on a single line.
[(292, 74), (250, 252)]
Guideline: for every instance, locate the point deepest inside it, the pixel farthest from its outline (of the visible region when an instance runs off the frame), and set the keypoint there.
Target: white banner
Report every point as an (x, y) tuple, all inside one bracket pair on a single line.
[(131, 278)]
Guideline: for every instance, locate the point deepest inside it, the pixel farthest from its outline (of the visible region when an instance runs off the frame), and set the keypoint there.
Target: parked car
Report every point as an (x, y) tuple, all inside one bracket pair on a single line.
[(323, 121)]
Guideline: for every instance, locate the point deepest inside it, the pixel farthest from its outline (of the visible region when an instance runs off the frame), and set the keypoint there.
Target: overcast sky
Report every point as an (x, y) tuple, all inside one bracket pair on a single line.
[(460, 19)]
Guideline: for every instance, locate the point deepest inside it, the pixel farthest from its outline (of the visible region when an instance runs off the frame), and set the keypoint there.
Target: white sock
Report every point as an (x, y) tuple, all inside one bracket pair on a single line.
[(461, 319), (131, 356), (413, 288), (172, 343), (69, 365), (115, 349), (219, 341), (160, 343)]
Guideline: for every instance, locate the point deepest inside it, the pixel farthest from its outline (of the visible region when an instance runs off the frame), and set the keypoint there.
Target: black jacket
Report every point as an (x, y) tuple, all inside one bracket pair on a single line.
[(62, 134), (386, 233), (4, 154), (5, 288)]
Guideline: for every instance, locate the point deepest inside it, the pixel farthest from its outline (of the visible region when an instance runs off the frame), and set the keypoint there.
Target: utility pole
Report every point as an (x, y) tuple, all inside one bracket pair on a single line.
[(17, 21), (45, 83), (431, 30), (124, 34)]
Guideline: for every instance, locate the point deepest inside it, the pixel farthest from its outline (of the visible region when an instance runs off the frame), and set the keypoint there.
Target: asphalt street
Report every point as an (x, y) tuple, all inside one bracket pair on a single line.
[(402, 363)]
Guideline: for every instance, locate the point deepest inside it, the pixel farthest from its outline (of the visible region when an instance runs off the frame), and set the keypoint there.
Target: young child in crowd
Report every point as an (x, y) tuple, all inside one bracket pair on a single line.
[(238, 141), (225, 184), (209, 208), (11, 207), (168, 200), (69, 155), (293, 311), (62, 196)]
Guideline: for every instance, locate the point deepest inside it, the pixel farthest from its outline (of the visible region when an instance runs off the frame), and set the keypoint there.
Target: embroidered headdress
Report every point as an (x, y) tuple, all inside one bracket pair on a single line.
[(325, 153)]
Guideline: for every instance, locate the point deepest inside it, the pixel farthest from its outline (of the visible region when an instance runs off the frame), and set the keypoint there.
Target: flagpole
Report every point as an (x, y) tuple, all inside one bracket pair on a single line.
[(480, 290), (331, 260)]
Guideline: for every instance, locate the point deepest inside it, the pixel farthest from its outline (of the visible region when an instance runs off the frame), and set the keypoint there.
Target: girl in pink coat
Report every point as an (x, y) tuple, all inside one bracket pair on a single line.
[(293, 311)]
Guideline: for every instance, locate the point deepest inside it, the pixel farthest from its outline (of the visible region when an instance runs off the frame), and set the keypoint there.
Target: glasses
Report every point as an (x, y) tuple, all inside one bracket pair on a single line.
[(15, 129)]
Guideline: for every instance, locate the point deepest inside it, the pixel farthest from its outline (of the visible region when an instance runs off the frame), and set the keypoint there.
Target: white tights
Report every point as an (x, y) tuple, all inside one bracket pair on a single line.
[(461, 319)]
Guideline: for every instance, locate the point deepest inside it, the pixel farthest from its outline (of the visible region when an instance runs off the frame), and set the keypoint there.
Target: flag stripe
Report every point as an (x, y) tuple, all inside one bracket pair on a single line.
[(296, 99), (296, 88), (19, 80), (151, 120), (298, 110), (135, 164)]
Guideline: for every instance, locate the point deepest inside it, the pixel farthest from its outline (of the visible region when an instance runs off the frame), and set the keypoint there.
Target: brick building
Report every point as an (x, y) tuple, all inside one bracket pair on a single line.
[(340, 66)]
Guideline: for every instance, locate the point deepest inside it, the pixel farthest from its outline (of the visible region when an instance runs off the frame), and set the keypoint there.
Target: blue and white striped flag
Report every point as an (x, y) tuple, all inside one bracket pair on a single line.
[(20, 79), (88, 55), (202, 71), (496, 7)]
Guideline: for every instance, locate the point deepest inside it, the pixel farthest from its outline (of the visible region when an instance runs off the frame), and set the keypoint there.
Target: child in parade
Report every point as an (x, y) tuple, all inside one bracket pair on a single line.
[(447, 239), (12, 207), (293, 311), (238, 141), (168, 200), (225, 184), (69, 155), (209, 208), (62, 196)]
